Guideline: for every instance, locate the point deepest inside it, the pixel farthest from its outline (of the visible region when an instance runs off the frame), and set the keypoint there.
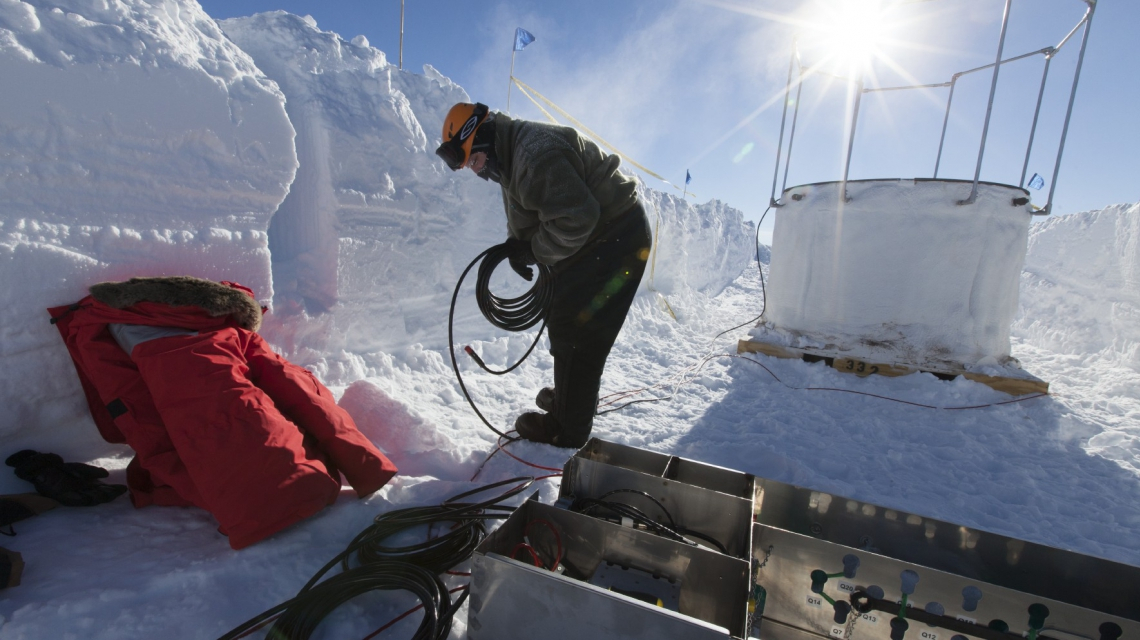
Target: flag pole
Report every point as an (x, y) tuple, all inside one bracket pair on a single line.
[(510, 80)]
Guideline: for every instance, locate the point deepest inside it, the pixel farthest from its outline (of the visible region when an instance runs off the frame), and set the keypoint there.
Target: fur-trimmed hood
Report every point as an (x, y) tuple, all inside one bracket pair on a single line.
[(216, 299)]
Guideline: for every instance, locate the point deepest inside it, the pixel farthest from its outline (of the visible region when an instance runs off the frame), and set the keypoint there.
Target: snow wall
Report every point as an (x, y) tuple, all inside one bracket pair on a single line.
[(147, 139), (1084, 268), (137, 141), (900, 274)]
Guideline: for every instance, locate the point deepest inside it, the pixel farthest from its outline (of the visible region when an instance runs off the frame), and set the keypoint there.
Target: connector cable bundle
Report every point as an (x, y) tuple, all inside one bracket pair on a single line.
[(415, 568)]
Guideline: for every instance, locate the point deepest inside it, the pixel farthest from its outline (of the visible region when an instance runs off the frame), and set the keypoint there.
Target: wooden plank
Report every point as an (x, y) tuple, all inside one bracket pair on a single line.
[(774, 350), (862, 368), (1012, 386)]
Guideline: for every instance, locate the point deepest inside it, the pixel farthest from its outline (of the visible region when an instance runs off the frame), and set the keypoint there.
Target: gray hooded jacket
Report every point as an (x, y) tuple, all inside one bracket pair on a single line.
[(559, 188)]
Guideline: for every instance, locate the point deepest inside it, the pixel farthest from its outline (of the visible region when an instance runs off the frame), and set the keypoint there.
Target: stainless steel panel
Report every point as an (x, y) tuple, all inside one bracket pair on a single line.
[(1047, 572), (698, 474), (713, 478), (512, 601), (619, 455), (785, 575), (725, 517), (713, 587)]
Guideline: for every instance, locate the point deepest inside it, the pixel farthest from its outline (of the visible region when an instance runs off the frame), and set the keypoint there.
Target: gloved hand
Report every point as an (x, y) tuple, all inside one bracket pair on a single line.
[(70, 483), (521, 257)]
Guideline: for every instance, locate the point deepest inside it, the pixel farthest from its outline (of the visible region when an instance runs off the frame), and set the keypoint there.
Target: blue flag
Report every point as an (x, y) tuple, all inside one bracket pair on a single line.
[(688, 177), (1036, 181), (522, 38)]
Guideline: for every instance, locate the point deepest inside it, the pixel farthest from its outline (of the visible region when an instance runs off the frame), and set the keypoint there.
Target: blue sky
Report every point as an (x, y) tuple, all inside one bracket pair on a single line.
[(696, 85)]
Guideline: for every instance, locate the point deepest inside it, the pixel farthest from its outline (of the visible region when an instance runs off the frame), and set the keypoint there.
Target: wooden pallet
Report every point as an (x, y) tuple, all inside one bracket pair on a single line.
[(1012, 386)]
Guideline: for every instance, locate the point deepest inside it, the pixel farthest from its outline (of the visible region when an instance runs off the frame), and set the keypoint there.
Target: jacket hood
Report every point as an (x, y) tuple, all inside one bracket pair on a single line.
[(216, 299)]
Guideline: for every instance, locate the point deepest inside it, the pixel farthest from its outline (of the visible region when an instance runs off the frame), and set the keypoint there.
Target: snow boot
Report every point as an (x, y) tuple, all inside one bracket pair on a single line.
[(545, 399), (11, 568), (21, 506), (537, 427)]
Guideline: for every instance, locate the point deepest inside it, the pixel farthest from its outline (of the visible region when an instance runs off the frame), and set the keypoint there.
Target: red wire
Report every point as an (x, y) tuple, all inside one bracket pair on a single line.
[(533, 554), (529, 464), (557, 538), (501, 446), (406, 614)]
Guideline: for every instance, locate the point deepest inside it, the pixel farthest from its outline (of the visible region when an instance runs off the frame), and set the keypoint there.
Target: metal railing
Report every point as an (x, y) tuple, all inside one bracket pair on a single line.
[(1048, 52)]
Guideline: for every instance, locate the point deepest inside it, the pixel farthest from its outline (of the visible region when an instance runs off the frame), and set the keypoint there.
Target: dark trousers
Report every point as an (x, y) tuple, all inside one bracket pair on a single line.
[(594, 289)]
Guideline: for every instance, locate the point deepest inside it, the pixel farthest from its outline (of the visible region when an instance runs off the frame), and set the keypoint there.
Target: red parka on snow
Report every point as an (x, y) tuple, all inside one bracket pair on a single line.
[(215, 417)]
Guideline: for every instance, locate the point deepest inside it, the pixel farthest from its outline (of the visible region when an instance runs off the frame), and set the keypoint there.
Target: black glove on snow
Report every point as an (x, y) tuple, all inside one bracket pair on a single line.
[(521, 257), (70, 483)]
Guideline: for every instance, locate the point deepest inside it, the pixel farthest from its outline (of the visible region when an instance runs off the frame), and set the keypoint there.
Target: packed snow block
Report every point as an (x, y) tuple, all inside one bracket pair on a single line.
[(899, 274), (701, 247), (137, 140), (1081, 285)]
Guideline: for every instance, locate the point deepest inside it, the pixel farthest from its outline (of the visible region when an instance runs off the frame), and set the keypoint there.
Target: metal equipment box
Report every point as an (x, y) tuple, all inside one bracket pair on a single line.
[(797, 564), (958, 582), (514, 599)]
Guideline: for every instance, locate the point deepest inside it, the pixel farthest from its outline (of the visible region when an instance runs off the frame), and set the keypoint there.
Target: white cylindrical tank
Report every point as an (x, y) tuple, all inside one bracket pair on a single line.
[(901, 273)]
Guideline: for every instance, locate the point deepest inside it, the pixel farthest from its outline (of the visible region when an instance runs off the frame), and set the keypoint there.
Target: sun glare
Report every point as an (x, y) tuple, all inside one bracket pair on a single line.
[(845, 36)]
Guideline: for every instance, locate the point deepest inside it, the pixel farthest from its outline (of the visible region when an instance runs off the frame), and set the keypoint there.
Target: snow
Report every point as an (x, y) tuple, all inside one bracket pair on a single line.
[(899, 273), (146, 143)]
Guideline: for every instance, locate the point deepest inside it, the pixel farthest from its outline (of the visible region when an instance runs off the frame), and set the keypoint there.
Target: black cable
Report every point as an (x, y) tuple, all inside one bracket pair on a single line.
[(763, 289), (413, 568), (512, 314), (587, 505), (672, 532), (301, 619), (707, 538), (672, 523)]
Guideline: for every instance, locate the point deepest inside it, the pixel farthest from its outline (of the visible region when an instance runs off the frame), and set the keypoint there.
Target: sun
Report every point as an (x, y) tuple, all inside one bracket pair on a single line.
[(845, 37)]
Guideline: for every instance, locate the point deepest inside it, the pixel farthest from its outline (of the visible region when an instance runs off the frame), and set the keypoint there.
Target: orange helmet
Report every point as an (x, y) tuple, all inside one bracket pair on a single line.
[(459, 133)]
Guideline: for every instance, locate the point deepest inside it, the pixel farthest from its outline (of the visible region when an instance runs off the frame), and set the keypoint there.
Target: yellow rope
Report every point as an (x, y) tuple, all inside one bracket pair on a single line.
[(525, 87), (546, 113)]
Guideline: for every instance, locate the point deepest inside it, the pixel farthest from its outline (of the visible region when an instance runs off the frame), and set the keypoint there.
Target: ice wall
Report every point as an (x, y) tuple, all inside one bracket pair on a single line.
[(136, 140), (699, 247), (901, 273), (1081, 285)]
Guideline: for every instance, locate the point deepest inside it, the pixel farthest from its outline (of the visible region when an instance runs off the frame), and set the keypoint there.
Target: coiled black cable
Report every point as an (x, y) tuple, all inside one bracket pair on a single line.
[(301, 618), (513, 314), (413, 568), (445, 551)]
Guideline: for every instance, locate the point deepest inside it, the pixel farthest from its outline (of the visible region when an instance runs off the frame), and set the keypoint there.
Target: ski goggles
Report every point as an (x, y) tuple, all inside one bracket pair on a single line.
[(453, 151)]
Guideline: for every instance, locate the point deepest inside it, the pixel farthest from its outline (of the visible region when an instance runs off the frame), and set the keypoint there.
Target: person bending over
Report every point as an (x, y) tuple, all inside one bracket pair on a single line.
[(568, 207)]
